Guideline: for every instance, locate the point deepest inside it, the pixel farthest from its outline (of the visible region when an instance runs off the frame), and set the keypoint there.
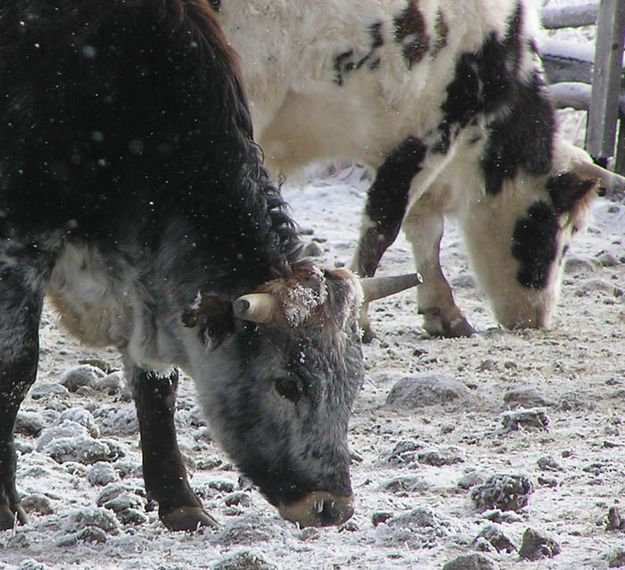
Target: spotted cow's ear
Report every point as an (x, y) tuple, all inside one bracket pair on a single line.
[(568, 189), (211, 315)]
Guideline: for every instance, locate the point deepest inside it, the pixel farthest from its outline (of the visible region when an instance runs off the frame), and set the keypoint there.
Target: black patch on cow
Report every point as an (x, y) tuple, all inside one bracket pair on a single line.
[(522, 139), (387, 200), (567, 189), (343, 64), (442, 31), (346, 62), (411, 33), (534, 245), (484, 82)]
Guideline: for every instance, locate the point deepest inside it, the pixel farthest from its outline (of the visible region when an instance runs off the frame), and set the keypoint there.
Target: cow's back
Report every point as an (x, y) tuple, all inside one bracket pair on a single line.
[(327, 80)]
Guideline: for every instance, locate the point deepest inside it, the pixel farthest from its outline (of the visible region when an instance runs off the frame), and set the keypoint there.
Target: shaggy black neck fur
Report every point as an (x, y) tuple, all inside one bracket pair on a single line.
[(140, 118)]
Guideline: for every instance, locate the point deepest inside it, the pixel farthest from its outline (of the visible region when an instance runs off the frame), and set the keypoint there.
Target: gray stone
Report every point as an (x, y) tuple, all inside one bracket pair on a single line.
[(29, 423), (474, 561), (549, 464), (404, 453), (608, 259), (91, 517), (503, 492), (134, 517), (102, 474), (406, 485), (380, 517), (578, 264), (111, 384), (594, 286), (614, 519), (37, 504), (118, 420), (82, 417), (84, 375), (66, 429), (41, 391), (422, 519), (238, 498), (125, 501), (245, 560), (87, 535), (441, 457), (419, 390), (245, 532), (30, 564), (82, 449), (496, 538), (497, 516), (616, 558), (534, 418), (527, 398), (114, 490), (536, 545), (470, 479), (222, 485)]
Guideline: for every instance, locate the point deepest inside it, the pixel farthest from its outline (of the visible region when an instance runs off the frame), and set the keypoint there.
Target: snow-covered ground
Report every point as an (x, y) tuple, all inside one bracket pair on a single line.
[(417, 462)]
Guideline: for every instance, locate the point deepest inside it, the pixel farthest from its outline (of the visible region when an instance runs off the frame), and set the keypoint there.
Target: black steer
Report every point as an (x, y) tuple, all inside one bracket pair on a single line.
[(132, 194)]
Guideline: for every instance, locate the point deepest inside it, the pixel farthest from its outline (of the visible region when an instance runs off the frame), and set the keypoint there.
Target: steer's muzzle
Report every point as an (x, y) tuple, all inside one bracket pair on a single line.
[(319, 509)]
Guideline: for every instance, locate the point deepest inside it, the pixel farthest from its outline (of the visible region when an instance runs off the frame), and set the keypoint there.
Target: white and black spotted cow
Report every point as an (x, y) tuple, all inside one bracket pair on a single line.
[(444, 100), (131, 192)]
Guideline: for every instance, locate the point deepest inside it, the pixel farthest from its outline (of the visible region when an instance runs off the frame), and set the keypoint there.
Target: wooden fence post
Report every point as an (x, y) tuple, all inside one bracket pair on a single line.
[(607, 76)]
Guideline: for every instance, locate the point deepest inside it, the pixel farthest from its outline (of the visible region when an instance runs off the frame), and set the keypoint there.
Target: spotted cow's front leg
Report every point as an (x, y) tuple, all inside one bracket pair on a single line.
[(384, 212), (424, 229), (163, 468), (20, 311)]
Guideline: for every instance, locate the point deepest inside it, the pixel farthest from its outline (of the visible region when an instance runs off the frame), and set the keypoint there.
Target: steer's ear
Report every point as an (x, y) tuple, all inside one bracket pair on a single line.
[(211, 315)]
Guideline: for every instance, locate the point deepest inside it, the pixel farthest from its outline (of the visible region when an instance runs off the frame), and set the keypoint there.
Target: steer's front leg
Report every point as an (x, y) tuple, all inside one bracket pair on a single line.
[(20, 310), (163, 468)]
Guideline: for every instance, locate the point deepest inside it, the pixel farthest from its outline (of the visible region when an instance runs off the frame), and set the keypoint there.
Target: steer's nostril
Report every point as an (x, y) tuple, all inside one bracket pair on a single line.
[(320, 508), (331, 512)]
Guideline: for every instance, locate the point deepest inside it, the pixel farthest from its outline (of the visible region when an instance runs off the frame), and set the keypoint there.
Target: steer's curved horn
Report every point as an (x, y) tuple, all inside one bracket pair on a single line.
[(611, 180), (377, 287), (257, 307)]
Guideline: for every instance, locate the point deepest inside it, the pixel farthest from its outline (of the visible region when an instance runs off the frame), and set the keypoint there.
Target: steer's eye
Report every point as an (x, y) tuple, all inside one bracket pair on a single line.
[(289, 388)]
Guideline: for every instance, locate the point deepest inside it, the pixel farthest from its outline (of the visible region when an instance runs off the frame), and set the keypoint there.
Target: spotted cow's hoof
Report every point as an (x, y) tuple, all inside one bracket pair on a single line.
[(438, 325), (367, 334), (12, 516), (189, 519)]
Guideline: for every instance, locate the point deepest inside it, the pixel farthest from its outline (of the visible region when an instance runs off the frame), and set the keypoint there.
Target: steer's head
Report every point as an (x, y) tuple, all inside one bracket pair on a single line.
[(282, 368)]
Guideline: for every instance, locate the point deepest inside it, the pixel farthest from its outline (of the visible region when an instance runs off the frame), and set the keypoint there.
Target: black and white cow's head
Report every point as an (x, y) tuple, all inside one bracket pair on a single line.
[(519, 238), (277, 378)]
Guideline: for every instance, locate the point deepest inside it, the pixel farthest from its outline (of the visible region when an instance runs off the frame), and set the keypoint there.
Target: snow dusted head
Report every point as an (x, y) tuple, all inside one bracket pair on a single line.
[(277, 377), (307, 297)]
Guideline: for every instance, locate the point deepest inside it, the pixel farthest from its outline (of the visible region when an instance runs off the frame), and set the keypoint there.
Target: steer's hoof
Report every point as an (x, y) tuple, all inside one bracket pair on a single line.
[(11, 516), (189, 519)]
